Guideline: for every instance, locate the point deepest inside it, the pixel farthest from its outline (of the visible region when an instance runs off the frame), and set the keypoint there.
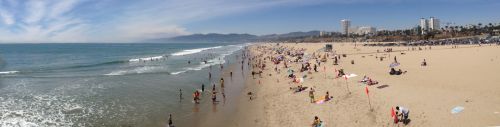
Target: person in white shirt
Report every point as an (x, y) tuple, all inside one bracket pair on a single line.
[(404, 112)]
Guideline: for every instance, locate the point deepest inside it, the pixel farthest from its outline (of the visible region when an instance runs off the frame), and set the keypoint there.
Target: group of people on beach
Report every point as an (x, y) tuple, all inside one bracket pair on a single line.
[(197, 94), (286, 56)]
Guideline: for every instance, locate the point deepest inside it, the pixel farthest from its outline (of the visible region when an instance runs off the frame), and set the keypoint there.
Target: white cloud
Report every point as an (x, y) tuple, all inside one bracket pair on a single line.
[(36, 11), (62, 7), (7, 17)]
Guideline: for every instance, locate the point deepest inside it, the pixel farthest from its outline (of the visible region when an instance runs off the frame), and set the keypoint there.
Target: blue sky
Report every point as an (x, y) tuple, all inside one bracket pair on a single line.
[(135, 20)]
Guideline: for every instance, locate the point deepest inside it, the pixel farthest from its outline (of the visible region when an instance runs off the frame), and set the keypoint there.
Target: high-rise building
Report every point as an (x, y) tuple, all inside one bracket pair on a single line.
[(434, 24), (345, 26), (424, 25)]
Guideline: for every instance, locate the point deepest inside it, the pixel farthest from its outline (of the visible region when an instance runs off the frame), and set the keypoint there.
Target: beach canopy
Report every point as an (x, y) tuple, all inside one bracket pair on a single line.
[(290, 71), (393, 64)]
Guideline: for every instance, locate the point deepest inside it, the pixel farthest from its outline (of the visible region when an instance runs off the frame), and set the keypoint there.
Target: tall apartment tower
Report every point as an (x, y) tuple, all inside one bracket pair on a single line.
[(424, 25), (345, 23), (434, 24)]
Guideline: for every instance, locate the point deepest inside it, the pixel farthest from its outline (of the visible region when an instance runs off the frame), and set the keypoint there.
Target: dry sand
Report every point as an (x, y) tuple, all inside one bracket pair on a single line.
[(468, 76)]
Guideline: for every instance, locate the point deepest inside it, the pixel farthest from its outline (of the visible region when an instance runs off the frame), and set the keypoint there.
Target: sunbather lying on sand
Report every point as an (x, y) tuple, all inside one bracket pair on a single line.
[(394, 72), (299, 88), (368, 81)]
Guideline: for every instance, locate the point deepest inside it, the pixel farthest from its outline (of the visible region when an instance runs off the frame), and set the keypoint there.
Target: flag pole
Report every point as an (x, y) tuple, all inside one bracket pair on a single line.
[(368, 95), (347, 84), (324, 70)]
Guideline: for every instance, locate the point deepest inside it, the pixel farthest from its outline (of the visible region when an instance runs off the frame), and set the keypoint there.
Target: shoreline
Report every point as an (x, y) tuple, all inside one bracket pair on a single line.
[(218, 114)]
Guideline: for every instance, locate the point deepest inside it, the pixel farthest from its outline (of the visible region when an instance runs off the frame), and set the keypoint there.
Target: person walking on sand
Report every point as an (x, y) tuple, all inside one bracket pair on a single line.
[(311, 95), (222, 82)]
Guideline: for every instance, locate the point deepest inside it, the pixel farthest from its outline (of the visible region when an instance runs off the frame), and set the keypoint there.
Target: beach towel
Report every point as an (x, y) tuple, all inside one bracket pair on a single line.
[(321, 100), (350, 75), (457, 109)]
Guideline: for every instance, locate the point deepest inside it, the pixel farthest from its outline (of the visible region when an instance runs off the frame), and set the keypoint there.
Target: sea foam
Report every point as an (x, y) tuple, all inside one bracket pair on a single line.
[(192, 51)]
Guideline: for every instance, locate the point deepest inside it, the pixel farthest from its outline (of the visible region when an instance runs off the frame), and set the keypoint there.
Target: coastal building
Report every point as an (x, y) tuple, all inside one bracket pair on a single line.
[(434, 23), (366, 30), (362, 30), (345, 24), (429, 25), (424, 25)]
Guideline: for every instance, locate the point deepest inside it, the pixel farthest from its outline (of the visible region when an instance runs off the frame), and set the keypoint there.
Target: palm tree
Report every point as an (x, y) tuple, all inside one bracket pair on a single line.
[(480, 28)]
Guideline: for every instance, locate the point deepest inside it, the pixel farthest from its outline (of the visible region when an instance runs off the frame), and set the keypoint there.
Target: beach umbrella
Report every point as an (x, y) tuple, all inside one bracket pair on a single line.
[(393, 65), (290, 71)]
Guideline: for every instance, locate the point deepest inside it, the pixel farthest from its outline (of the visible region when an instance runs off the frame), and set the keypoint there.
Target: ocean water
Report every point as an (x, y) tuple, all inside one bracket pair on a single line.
[(104, 84)]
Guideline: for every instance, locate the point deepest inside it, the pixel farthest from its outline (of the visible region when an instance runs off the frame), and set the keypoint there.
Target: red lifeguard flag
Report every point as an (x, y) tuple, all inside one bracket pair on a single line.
[(366, 90), (392, 112)]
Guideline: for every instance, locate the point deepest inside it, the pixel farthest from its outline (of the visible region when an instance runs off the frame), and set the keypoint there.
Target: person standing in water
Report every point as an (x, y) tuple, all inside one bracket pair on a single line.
[(170, 123), (202, 87), (180, 94), (214, 97), (213, 87)]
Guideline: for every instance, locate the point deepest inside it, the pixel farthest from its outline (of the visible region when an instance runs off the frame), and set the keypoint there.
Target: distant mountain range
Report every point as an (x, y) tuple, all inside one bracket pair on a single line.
[(232, 38)]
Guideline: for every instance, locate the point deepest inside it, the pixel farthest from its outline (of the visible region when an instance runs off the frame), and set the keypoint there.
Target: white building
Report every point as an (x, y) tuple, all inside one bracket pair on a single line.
[(345, 24), (424, 25), (434, 24), (429, 25), (366, 30)]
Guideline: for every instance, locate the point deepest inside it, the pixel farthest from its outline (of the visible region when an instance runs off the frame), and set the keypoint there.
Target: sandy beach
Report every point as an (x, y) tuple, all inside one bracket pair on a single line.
[(467, 76)]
